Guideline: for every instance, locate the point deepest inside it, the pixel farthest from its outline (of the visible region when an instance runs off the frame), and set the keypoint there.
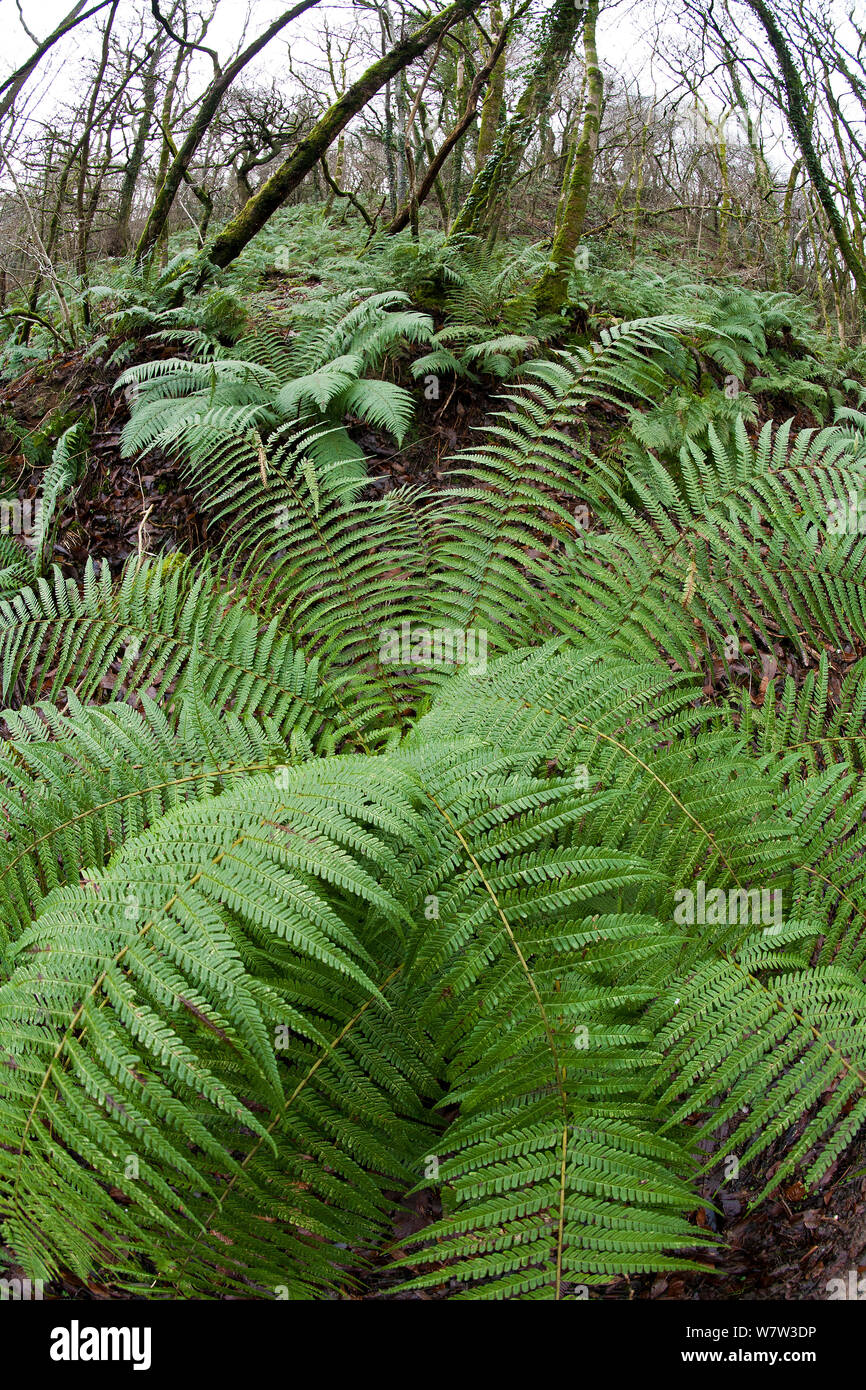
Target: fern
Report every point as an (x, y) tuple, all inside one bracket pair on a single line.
[(300, 387), (293, 925)]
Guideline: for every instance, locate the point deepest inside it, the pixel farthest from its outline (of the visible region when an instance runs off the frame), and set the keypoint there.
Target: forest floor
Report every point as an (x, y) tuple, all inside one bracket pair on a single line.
[(794, 1243)]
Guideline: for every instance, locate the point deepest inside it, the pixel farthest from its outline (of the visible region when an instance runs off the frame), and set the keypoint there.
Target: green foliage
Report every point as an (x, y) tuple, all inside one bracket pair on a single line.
[(28, 555), (223, 315), (16, 358), (68, 462), (488, 302), (296, 920), (764, 340), (282, 387), (16, 568)]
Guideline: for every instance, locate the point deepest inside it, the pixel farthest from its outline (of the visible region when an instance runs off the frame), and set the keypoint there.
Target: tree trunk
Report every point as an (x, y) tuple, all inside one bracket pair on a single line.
[(553, 285), (491, 107), (83, 228), (306, 155), (119, 242), (796, 110), (453, 140), (13, 84), (491, 184), (457, 164), (158, 219)]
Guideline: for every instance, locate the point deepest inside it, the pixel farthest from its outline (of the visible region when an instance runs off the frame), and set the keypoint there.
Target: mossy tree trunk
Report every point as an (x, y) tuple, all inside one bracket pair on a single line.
[(16, 80), (491, 107), (453, 141), (553, 285), (459, 148), (307, 154), (119, 240), (157, 222), (796, 108), (486, 197)]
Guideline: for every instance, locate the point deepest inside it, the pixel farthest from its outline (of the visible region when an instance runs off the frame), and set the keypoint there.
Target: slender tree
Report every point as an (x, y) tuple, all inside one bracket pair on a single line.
[(207, 109), (796, 108), (491, 107), (307, 154), (483, 205), (554, 283), (14, 83)]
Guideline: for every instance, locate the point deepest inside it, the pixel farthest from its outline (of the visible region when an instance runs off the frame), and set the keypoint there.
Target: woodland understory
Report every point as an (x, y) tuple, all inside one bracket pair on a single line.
[(433, 651)]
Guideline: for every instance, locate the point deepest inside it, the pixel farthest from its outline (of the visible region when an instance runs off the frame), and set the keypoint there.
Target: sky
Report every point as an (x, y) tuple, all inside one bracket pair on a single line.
[(620, 30), (626, 31)]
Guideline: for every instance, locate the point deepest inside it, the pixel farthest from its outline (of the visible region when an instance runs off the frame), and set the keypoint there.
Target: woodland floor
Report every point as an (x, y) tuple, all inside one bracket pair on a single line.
[(794, 1243)]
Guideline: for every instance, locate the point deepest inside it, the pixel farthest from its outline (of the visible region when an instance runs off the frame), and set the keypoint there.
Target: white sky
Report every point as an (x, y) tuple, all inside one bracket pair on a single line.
[(620, 30), (626, 29)]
